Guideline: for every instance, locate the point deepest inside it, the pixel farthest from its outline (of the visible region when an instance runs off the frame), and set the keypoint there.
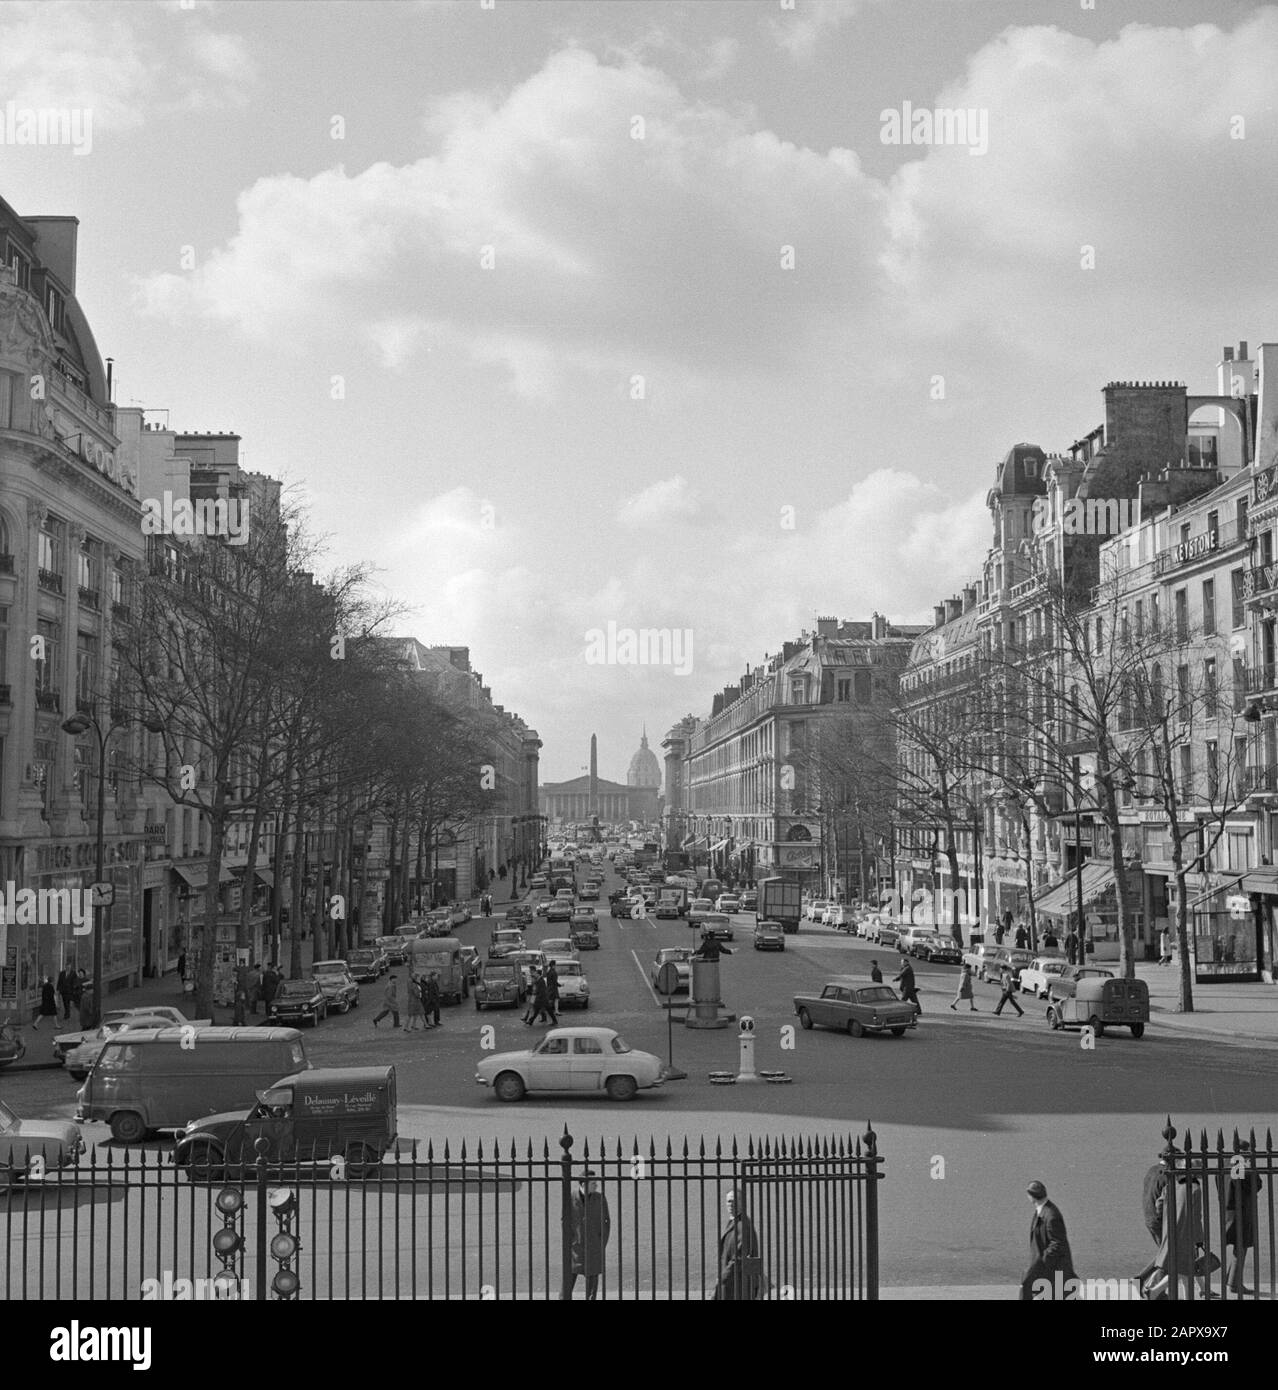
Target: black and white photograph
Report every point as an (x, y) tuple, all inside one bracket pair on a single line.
[(716, 556)]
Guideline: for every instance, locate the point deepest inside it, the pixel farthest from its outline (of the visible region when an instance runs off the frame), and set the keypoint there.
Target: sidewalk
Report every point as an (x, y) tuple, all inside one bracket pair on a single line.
[(1246, 1012)]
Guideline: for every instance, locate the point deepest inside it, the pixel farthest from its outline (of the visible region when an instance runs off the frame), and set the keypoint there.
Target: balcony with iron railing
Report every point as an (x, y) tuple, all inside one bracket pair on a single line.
[(1260, 581), (50, 580), (88, 598), (1262, 780), (1261, 678), (49, 701)]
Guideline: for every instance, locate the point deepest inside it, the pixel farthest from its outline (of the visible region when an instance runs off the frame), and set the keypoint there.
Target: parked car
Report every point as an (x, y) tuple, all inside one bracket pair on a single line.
[(80, 1059), (908, 935), (503, 941), (816, 907), (769, 936), (367, 965), (64, 1043), (581, 1060), (298, 1001), (828, 914), (978, 954), (852, 1006), (307, 1119), (937, 946), (458, 916), (885, 934), (681, 958), (729, 902), (1099, 1002), (341, 993), (53, 1143), (842, 918), (717, 924), (574, 989), (499, 984), (394, 948), (1038, 975)]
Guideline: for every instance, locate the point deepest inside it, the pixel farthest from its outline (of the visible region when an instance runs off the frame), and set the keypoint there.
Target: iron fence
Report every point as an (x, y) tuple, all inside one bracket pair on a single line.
[(1212, 1211), (454, 1221)]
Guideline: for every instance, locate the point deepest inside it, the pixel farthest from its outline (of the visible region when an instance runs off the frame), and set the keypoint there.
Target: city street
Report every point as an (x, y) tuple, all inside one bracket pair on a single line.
[(967, 1108)]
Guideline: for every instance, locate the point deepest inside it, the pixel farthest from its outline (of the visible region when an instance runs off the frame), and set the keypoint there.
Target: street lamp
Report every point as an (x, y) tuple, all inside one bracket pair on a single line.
[(77, 725)]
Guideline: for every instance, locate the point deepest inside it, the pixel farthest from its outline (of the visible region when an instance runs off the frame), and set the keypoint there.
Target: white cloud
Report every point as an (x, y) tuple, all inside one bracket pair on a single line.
[(671, 499), (800, 28)]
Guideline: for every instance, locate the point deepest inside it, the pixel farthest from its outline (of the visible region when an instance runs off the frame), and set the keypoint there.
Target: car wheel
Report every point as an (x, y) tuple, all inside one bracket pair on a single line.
[(855, 1028), (127, 1127), (362, 1161), (509, 1086), (1138, 1030), (621, 1087), (805, 1019), (1096, 1026), (1053, 1018), (77, 1075), (478, 1006), (898, 1032), (203, 1163)]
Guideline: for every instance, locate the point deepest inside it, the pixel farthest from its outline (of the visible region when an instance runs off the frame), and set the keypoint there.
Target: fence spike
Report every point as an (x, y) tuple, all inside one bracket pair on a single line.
[(1220, 1140), (1169, 1132)]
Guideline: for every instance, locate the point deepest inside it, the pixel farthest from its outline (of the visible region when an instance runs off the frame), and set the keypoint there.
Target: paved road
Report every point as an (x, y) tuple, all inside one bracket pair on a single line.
[(967, 1108)]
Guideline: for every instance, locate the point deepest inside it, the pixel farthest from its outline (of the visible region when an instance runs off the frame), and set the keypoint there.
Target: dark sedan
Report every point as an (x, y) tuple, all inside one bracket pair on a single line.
[(937, 946), (298, 1001), (769, 936)]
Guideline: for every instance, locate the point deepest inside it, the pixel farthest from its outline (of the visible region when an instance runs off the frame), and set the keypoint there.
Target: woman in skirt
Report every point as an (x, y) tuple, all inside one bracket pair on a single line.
[(965, 990)]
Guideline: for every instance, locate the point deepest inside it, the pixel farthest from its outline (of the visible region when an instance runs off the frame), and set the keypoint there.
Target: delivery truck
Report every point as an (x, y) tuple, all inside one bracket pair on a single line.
[(780, 900), (672, 900)]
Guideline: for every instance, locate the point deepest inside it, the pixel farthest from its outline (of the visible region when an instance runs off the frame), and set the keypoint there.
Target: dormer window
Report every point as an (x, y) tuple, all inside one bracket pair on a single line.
[(54, 307)]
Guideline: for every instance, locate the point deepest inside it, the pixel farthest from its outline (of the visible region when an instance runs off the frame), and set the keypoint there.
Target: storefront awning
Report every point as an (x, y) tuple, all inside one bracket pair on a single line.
[(197, 875), (1229, 885), (1063, 899), (267, 876), (688, 840), (1262, 880), (717, 846)]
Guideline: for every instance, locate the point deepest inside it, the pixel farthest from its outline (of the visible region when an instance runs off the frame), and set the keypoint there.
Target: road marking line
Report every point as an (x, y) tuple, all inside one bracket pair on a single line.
[(648, 983)]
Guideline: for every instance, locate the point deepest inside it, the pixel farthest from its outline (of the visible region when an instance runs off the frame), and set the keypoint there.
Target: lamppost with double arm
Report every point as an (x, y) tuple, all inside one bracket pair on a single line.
[(77, 725)]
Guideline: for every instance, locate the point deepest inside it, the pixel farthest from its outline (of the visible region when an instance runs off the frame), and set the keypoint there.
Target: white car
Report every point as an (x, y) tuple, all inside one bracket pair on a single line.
[(173, 1018), (559, 947), (80, 1059), (574, 988), (697, 909), (581, 1060), (729, 902), (816, 907), (1037, 977), (842, 918), (681, 958), (829, 913)]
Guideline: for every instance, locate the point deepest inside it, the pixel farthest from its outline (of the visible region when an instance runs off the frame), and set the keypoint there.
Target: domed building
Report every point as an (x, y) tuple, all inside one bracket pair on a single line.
[(645, 770)]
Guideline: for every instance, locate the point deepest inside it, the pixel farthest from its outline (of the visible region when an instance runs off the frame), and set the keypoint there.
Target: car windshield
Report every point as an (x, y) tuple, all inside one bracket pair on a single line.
[(569, 967), (499, 972), (620, 1045), (295, 987), (876, 994)]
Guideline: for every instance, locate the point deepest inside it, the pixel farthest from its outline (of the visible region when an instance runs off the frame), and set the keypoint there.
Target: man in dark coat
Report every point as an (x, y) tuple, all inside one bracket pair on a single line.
[(270, 983), (552, 991), (591, 1226), (1241, 1212), (1008, 981), (1151, 1207), (430, 998), (1051, 1263), (740, 1266), (875, 973), (541, 1002), (66, 989), (906, 980), (1071, 947), (1021, 938)]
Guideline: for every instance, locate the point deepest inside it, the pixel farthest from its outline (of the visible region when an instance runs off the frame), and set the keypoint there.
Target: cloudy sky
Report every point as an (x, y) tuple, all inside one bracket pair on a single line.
[(565, 314)]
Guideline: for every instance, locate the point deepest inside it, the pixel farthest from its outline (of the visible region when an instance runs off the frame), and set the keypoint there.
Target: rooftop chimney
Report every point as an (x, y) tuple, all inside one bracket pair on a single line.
[(953, 609), (938, 615), (1229, 354), (1242, 350), (969, 598)]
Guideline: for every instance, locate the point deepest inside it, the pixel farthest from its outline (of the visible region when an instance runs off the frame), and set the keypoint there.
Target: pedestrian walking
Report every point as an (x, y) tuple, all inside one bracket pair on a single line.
[(1051, 1262), (66, 988), (1188, 1231), (1050, 941), (591, 1225), (430, 998), (999, 932), (1241, 1203), (541, 1002), (270, 984), (906, 980), (1153, 1186), (254, 987), (84, 1002), (48, 1007), (1008, 981), (1071, 947), (875, 973), (965, 990), (239, 1016), (182, 966), (740, 1264), (415, 1010), (390, 1002), (1164, 947), (1022, 938), (552, 991)]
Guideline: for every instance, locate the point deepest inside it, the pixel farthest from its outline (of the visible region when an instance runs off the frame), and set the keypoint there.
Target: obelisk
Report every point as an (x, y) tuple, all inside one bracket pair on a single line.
[(593, 810)]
